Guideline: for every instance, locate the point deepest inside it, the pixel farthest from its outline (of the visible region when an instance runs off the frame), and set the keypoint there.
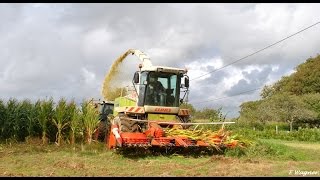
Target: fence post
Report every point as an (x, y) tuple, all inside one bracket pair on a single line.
[(276, 129)]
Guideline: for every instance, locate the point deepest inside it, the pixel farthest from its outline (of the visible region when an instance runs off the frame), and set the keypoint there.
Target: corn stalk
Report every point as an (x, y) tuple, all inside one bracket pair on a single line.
[(60, 118), (2, 118), (45, 115), (11, 127), (213, 138), (75, 120), (90, 120), (24, 121)]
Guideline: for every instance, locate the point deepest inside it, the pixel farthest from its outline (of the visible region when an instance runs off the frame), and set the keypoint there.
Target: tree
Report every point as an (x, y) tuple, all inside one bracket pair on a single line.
[(289, 108), (249, 112), (208, 113), (305, 80), (313, 103), (291, 99)]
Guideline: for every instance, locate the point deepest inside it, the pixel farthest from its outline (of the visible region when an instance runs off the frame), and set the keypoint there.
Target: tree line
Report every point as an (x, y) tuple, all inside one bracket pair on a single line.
[(294, 99)]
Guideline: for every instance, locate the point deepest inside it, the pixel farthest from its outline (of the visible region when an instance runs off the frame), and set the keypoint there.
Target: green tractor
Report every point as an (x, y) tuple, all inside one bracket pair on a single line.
[(105, 109)]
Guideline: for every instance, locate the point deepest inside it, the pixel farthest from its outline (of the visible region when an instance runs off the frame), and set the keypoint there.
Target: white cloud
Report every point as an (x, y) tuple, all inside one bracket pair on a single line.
[(67, 49), (96, 42), (88, 76)]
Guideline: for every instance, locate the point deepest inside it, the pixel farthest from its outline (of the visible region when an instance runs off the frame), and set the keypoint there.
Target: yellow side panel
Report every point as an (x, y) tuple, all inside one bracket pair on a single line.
[(162, 117)]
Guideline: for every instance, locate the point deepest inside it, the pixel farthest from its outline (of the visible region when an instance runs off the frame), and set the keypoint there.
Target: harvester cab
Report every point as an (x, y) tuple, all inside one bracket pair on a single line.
[(141, 117)]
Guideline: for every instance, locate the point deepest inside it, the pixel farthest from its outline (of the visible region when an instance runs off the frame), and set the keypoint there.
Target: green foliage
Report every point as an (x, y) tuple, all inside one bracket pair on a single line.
[(313, 102), (289, 108), (302, 134), (282, 107), (3, 114), (249, 113), (188, 106), (10, 125), (235, 152), (209, 113), (75, 121), (277, 87), (305, 80), (293, 99), (45, 115), (52, 122), (24, 119), (260, 148), (90, 120), (18, 119), (273, 150), (60, 118)]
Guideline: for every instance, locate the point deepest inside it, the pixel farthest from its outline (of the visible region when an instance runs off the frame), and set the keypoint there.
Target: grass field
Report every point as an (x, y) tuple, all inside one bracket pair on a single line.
[(272, 158)]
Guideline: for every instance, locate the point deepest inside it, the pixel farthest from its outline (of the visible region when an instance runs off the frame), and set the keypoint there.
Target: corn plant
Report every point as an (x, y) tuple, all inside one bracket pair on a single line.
[(35, 129), (60, 118), (11, 127), (90, 120), (45, 115), (2, 118), (75, 120), (24, 122)]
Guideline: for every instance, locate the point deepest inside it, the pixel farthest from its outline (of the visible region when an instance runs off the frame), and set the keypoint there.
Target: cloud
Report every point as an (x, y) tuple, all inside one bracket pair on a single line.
[(252, 79), (65, 50)]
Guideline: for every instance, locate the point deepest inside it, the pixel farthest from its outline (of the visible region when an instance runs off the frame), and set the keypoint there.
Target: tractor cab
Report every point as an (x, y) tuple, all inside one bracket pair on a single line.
[(160, 86), (105, 109)]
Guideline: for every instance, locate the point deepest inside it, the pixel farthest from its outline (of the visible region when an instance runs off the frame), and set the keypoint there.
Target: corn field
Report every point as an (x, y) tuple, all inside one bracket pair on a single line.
[(61, 122)]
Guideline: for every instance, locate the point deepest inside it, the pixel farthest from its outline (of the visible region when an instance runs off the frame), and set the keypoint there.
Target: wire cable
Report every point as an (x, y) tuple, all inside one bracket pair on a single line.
[(257, 51), (227, 96)]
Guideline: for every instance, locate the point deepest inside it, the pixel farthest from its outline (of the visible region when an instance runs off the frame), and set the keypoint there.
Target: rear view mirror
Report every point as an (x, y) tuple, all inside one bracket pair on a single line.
[(136, 77), (186, 81)]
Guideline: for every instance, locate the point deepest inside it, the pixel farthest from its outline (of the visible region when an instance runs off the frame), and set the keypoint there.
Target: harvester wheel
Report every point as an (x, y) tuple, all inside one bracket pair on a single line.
[(99, 135), (126, 125)]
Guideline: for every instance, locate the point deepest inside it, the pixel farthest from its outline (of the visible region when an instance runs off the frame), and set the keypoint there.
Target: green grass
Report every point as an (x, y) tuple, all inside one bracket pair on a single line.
[(265, 158), (279, 150)]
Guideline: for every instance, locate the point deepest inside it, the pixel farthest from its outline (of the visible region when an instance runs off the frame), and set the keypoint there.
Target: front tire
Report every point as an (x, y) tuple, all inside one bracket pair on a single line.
[(126, 125)]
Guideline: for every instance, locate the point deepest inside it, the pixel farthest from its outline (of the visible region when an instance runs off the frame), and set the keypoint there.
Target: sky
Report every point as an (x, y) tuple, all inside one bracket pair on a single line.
[(66, 50)]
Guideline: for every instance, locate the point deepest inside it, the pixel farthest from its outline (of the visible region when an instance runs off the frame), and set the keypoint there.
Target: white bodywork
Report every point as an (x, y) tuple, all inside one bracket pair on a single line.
[(147, 65), (145, 59)]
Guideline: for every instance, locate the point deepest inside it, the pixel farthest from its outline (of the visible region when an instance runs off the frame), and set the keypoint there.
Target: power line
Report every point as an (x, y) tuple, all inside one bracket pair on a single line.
[(228, 96), (257, 51)]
